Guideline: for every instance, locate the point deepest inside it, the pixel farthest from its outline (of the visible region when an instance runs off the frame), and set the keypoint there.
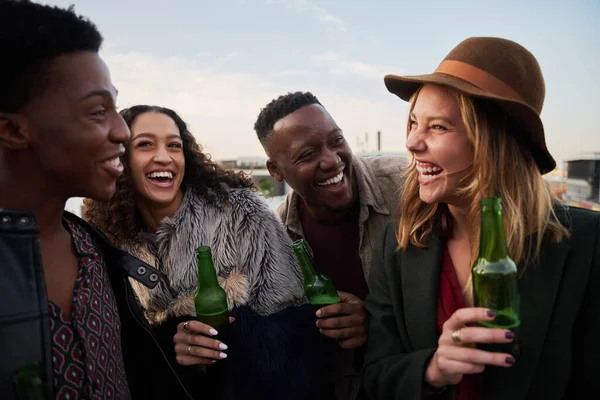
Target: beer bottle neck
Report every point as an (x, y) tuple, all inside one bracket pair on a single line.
[(306, 261), (207, 275), (492, 238)]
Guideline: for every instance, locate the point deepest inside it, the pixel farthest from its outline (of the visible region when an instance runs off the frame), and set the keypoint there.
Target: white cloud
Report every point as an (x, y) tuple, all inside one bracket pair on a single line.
[(310, 7), (221, 108), (337, 63)]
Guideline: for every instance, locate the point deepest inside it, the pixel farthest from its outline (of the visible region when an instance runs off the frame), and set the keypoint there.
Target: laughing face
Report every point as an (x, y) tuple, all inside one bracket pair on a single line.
[(74, 131), (308, 150), (440, 146), (156, 160)]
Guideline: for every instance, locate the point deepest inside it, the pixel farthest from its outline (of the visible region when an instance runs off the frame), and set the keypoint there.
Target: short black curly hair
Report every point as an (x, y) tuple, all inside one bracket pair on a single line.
[(279, 108), (31, 36)]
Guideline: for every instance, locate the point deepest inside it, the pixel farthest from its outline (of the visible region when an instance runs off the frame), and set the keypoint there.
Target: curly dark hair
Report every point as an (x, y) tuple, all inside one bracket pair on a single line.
[(31, 36), (119, 218), (279, 108)]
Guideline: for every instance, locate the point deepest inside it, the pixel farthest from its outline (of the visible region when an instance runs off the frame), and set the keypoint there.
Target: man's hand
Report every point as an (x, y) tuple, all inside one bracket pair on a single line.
[(345, 321)]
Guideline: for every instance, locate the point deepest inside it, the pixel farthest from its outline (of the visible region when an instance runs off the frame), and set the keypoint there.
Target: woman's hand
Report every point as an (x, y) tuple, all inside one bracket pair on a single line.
[(194, 345), (456, 355)]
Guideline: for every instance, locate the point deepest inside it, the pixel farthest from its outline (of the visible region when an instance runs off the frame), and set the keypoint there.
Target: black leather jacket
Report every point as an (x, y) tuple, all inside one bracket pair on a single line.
[(24, 320)]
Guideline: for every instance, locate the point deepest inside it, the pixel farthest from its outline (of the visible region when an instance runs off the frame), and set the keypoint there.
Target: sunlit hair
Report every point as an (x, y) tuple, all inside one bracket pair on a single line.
[(502, 167)]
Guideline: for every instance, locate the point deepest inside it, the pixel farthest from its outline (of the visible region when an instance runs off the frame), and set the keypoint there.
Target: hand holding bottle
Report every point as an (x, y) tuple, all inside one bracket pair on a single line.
[(455, 356), (194, 344), (345, 321)]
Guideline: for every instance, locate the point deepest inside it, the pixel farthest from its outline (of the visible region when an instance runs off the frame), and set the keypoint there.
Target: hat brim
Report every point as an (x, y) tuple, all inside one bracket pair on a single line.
[(525, 116)]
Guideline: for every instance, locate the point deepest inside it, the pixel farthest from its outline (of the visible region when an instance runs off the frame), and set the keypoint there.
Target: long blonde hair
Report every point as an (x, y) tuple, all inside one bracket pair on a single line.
[(502, 167)]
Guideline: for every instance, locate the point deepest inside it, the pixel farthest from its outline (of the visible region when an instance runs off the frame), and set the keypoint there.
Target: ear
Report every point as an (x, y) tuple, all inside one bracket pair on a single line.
[(274, 171), (13, 132)]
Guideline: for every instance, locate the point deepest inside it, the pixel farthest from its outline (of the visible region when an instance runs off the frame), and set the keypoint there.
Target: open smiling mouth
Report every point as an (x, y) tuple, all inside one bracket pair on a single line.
[(428, 170), (162, 178), (332, 181)]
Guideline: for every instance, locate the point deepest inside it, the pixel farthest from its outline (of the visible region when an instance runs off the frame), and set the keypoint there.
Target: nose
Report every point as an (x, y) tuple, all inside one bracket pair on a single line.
[(161, 155), (415, 142), (329, 160), (120, 131)]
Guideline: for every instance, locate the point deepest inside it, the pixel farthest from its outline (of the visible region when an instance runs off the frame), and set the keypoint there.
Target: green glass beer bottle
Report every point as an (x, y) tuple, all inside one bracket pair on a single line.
[(495, 279), (211, 300), (318, 286), (29, 383)]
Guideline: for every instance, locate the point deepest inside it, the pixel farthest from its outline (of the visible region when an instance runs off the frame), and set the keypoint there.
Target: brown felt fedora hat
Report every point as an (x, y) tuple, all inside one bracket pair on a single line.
[(497, 69)]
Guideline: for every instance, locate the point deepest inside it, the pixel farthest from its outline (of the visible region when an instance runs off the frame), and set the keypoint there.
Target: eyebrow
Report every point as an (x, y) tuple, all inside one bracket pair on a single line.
[(152, 136), (296, 149), (102, 92), (412, 115)]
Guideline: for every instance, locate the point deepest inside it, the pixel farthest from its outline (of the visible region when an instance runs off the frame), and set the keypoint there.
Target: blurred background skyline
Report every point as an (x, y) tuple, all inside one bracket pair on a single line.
[(218, 62)]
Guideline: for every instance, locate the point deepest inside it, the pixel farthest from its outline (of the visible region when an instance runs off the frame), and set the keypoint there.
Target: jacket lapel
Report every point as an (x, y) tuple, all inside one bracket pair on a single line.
[(538, 288), (420, 284)]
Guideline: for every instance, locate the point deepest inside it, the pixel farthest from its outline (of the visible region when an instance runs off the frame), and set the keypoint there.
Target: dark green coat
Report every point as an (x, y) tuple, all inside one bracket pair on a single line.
[(559, 336)]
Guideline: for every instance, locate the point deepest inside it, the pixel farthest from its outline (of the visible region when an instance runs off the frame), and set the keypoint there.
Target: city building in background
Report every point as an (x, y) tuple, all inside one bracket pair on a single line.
[(583, 181), (577, 183)]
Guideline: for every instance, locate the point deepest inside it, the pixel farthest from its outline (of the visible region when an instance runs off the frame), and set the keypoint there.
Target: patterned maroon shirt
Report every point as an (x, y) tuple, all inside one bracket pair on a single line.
[(86, 347)]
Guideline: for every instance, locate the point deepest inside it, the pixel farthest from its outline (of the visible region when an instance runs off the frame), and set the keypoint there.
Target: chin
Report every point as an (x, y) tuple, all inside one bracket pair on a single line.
[(428, 198), (161, 200), (339, 207)]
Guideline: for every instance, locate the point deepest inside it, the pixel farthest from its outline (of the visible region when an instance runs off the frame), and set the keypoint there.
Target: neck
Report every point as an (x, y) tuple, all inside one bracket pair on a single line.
[(30, 192), (460, 222), (154, 213)]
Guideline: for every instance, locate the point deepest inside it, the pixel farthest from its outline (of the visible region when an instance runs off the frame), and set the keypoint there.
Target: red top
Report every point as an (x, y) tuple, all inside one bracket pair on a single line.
[(450, 299)]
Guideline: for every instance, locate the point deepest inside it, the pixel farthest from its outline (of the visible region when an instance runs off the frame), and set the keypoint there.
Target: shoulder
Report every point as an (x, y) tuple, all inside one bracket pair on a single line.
[(286, 206), (386, 243), (578, 220), (384, 166), (250, 205)]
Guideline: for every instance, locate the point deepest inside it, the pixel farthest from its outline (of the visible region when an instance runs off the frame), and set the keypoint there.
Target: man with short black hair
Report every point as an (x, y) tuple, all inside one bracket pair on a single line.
[(339, 204), (66, 306)]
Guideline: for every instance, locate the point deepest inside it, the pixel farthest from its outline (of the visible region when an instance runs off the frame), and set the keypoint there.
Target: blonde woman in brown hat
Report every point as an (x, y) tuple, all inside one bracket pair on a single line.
[(474, 131)]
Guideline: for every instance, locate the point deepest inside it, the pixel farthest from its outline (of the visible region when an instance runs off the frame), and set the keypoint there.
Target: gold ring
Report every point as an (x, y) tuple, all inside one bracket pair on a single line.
[(185, 328), (189, 350), (456, 336)]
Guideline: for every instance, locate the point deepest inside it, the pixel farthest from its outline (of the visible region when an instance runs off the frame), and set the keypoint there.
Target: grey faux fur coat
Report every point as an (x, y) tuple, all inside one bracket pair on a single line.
[(252, 253)]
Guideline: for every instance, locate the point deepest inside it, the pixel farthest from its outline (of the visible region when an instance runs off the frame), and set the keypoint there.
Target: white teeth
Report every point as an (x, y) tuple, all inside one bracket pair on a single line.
[(428, 170), (333, 180), (160, 174), (114, 162)]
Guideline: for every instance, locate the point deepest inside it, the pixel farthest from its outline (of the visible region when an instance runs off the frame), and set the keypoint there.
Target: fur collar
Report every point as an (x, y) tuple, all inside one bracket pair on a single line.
[(251, 251)]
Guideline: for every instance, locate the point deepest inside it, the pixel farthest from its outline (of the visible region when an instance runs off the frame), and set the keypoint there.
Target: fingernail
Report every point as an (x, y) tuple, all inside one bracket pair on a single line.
[(213, 332), (318, 313), (222, 355), (491, 313), (509, 335), (222, 346), (509, 360), (213, 361)]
